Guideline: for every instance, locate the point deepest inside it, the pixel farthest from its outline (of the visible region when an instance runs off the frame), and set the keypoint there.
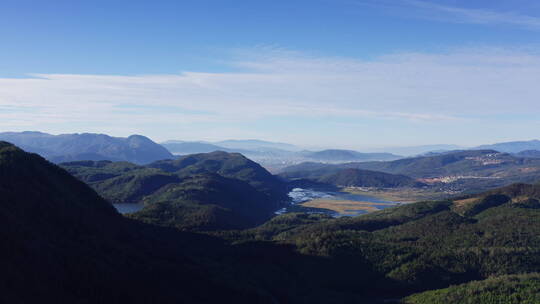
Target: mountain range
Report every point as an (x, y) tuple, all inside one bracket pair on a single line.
[(88, 146), (513, 146), (63, 243), (274, 156), (471, 170)]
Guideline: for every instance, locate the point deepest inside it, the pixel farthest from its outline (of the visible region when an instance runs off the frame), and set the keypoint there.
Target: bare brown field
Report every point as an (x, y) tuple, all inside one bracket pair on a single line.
[(344, 206)]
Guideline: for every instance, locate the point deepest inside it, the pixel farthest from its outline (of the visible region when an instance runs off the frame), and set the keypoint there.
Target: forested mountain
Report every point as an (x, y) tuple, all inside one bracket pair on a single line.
[(522, 289), (450, 163), (207, 191), (88, 146), (427, 245), (63, 243), (205, 202), (231, 165), (475, 170), (366, 178), (350, 177)]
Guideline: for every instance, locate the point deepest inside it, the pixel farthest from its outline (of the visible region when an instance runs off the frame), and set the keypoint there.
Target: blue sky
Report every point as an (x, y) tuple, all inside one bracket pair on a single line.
[(345, 73)]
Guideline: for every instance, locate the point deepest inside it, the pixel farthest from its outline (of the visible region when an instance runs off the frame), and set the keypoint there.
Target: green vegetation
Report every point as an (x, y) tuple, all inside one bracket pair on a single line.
[(366, 178), (197, 192), (230, 165), (523, 289), (421, 246), (452, 173), (63, 242), (206, 202), (352, 178)]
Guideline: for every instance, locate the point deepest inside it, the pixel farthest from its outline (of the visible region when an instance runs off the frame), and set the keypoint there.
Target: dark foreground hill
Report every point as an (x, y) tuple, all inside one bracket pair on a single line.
[(62, 243), (88, 146)]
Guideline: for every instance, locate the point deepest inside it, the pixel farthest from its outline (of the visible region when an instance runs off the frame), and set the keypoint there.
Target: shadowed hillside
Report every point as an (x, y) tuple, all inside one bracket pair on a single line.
[(62, 243)]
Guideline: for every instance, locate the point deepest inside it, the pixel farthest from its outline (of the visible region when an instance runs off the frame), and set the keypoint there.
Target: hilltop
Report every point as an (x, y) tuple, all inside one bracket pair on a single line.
[(88, 146), (350, 177), (209, 191)]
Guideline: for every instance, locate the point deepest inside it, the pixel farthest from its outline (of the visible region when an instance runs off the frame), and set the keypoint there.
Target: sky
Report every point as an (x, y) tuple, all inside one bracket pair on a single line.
[(356, 74)]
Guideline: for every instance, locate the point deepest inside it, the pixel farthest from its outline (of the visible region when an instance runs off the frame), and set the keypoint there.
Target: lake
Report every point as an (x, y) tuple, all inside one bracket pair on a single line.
[(128, 208), (337, 204), (341, 203)]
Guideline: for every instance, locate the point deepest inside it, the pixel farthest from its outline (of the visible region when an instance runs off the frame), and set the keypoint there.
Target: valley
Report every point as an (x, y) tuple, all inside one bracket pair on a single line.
[(269, 152), (333, 203), (339, 217)]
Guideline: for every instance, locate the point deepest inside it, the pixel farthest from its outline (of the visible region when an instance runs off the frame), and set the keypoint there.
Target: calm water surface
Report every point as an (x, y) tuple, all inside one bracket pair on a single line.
[(299, 195), (128, 208)]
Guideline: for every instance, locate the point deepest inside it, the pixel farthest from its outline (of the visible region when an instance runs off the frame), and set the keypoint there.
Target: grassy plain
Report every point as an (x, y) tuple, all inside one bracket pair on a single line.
[(344, 206)]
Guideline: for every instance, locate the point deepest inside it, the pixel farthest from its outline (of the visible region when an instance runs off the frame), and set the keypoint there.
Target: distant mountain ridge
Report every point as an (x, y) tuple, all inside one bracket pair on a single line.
[(88, 146), (469, 170), (529, 154), (255, 144), (513, 146), (273, 156), (348, 155), (184, 148), (412, 151)]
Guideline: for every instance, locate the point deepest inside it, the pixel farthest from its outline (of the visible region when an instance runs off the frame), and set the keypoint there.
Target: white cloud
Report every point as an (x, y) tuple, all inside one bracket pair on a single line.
[(477, 16), (401, 88)]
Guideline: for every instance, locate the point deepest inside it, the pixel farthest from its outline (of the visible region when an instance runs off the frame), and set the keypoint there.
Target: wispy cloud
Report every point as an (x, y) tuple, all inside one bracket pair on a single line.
[(399, 89), (478, 16), (434, 10)]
